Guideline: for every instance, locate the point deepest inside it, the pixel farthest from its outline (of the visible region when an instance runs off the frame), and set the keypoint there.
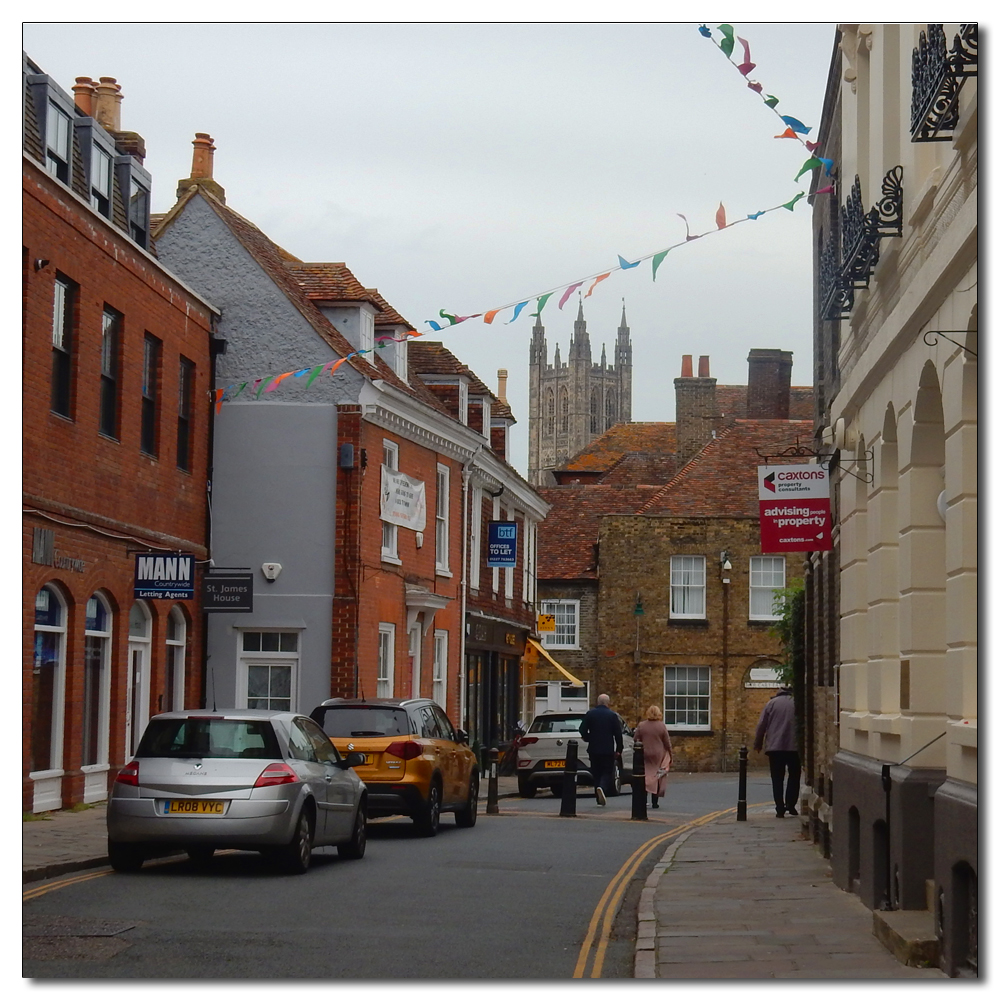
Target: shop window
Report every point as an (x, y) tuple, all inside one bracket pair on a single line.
[(96, 680), (48, 680)]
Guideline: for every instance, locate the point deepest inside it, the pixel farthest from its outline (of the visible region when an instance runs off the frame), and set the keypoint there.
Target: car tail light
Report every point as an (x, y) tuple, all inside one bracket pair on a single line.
[(525, 740), (129, 774), (276, 774), (404, 749)]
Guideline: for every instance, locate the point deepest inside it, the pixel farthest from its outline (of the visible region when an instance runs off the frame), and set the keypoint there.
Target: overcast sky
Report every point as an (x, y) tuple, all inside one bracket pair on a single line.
[(465, 166)]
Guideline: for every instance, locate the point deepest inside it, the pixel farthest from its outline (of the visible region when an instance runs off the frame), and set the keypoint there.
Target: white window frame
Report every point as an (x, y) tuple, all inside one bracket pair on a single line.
[(558, 607), (526, 542), (176, 658), (703, 676), (487, 417), (508, 572), (137, 687), (385, 678), (366, 330), (463, 401), (681, 566), (442, 520), (390, 532), (279, 658), (102, 722), (58, 696), (102, 168), (440, 690), (762, 567), (476, 540)]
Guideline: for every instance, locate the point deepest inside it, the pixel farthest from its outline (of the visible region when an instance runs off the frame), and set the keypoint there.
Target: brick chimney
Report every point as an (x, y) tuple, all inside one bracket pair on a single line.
[(107, 104), (697, 417), (769, 380), (502, 384), (202, 165)]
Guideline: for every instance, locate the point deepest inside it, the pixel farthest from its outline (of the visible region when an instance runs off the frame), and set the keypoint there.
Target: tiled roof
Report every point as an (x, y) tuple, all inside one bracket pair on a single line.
[(567, 536), (387, 316), (431, 357), (331, 282), (604, 451), (731, 402), (721, 480), (802, 403), (642, 467)]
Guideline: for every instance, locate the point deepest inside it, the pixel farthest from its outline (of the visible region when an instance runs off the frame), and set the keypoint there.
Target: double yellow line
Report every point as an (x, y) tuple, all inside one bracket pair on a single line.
[(595, 944)]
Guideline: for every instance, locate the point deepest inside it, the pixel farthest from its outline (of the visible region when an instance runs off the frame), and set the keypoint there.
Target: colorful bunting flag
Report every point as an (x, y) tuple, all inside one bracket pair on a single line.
[(790, 205), (727, 42), (796, 124), (807, 166), (745, 66), (491, 315), (771, 101), (829, 189), (569, 291), (720, 216), (517, 311), (624, 264), (789, 133), (598, 279), (658, 259), (542, 299)]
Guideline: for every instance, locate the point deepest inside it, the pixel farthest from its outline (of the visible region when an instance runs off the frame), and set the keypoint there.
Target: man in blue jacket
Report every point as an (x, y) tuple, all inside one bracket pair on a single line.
[(777, 725), (601, 730)]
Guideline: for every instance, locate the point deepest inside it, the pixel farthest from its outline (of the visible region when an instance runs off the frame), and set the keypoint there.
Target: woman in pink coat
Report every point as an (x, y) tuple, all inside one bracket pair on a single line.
[(656, 752)]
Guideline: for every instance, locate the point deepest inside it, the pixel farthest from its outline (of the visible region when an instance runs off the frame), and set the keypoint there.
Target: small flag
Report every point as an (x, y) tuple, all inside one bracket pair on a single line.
[(517, 312), (755, 215), (705, 31), (745, 66), (771, 101), (569, 291), (796, 124), (789, 133), (432, 324), (598, 279), (754, 86), (720, 216), (727, 42), (490, 316), (807, 166), (624, 264), (790, 205), (658, 260), (541, 304)]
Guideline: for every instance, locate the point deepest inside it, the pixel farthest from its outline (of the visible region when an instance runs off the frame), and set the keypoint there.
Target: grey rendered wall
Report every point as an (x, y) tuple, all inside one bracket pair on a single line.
[(273, 500), (274, 458)]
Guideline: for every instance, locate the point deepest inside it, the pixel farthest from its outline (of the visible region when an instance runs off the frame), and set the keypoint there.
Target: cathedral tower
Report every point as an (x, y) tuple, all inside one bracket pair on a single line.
[(572, 402)]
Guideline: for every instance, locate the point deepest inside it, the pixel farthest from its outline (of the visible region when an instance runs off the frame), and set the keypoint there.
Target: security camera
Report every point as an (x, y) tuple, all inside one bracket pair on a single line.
[(271, 571)]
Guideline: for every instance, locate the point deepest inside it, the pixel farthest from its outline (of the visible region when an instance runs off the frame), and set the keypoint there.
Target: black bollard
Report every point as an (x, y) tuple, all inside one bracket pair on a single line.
[(638, 782), (568, 805), (492, 808), (741, 802)]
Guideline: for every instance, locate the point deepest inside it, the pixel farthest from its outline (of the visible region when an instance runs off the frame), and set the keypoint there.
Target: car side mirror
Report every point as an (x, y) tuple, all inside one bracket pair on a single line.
[(462, 736), (353, 759)]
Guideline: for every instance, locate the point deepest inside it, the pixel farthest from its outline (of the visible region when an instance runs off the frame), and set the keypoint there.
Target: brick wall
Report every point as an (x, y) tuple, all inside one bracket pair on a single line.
[(107, 498), (769, 379)]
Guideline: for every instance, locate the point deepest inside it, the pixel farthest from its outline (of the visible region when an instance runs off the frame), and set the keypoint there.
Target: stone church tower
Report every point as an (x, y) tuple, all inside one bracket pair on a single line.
[(572, 402)]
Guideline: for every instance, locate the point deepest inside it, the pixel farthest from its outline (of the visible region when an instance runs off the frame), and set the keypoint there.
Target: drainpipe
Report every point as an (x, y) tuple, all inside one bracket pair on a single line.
[(466, 476), (726, 566)]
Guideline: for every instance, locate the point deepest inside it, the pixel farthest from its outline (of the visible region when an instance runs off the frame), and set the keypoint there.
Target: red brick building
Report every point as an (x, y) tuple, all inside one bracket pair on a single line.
[(633, 560), (116, 366)]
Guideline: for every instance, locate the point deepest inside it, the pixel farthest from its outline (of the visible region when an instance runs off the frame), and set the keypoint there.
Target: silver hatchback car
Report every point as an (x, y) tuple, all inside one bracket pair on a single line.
[(240, 778)]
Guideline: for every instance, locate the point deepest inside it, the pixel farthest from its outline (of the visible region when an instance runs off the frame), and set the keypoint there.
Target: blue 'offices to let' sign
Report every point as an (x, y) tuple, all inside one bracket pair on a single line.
[(502, 551)]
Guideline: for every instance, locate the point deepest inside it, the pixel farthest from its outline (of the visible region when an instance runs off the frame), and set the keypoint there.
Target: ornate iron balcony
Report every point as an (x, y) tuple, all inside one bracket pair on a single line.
[(938, 77), (835, 299)]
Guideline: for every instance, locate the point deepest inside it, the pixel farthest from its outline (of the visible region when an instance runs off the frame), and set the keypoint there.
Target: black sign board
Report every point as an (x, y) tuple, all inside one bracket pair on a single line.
[(167, 576), (227, 592)]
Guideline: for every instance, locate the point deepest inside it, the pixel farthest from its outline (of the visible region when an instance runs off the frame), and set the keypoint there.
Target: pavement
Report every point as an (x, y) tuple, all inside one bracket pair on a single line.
[(728, 900)]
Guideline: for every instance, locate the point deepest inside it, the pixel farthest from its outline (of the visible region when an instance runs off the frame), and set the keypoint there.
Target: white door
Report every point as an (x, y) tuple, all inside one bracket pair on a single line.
[(415, 634), (137, 706)]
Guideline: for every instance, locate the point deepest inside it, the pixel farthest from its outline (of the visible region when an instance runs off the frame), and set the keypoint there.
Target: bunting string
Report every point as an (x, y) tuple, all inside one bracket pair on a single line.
[(793, 128)]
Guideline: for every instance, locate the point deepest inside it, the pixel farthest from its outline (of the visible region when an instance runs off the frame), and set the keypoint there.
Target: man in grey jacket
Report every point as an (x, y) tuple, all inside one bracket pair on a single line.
[(777, 727)]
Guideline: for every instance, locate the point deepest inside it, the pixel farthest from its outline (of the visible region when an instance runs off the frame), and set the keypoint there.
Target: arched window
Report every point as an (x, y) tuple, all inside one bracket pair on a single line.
[(564, 411), (173, 700), (48, 683), (550, 412), (610, 411), (595, 412), (140, 633), (96, 680)]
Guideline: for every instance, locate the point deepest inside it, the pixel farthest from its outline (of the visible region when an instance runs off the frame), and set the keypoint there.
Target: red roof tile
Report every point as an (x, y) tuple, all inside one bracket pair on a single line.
[(331, 282), (604, 451)]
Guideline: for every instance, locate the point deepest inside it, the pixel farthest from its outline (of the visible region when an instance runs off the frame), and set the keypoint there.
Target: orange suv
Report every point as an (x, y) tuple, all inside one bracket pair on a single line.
[(416, 764)]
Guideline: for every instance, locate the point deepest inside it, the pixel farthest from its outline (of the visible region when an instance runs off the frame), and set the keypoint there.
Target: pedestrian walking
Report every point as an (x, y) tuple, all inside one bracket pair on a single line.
[(601, 730), (657, 753), (776, 736)]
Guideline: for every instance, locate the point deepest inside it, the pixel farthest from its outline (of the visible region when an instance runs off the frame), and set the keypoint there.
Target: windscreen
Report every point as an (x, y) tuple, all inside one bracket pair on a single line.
[(246, 739), (556, 724), (363, 720)]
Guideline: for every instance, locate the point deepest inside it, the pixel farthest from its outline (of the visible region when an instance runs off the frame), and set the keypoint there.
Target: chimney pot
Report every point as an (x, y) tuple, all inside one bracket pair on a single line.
[(107, 104), (83, 95), (201, 160), (703, 366), (502, 384), (686, 369)]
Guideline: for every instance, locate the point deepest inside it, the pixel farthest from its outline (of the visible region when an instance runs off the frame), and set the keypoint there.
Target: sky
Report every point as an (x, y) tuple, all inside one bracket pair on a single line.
[(465, 166)]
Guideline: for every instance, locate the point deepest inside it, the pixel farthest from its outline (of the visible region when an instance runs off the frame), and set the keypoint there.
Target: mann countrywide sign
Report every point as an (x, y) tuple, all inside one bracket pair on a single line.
[(794, 508), (167, 577)]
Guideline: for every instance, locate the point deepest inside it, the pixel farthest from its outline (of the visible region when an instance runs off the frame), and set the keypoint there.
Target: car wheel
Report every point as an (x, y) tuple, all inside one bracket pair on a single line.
[(200, 855), (525, 788), (616, 784), (124, 857), (354, 849), (466, 816), (429, 818), (295, 856)]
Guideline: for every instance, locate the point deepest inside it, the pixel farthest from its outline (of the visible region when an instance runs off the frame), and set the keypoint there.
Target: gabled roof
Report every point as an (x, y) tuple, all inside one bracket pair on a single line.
[(622, 439), (570, 530), (431, 357), (721, 480)]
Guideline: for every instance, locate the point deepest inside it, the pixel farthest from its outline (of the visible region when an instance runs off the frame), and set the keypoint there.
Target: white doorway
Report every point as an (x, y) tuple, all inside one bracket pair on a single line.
[(415, 635), (140, 629), (561, 696)]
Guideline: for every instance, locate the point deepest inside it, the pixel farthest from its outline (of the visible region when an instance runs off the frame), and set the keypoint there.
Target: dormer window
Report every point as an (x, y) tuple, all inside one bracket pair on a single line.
[(463, 401), (138, 213), (57, 142), (100, 180), (486, 417)]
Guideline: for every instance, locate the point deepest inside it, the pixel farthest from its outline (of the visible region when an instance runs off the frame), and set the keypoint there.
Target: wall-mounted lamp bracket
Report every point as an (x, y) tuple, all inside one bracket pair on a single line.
[(941, 333)]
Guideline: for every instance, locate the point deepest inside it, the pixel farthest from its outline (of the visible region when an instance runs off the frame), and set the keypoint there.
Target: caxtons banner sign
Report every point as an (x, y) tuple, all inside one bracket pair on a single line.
[(794, 508)]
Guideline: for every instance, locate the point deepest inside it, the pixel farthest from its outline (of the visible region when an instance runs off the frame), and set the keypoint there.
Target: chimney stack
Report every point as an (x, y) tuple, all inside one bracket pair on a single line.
[(502, 384), (83, 95), (769, 380), (107, 104), (202, 166), (697, 416)]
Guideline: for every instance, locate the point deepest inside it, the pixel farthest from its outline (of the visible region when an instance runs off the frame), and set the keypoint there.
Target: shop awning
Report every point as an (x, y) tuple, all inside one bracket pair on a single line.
[(543, 652)]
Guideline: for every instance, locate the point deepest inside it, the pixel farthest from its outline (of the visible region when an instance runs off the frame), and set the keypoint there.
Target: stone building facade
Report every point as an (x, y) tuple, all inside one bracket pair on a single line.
[(897, 342), (572, 402)]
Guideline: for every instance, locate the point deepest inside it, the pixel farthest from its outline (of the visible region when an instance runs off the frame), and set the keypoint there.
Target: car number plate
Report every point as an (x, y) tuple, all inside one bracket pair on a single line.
[(555, 763), (193, 807), (369, 758)]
